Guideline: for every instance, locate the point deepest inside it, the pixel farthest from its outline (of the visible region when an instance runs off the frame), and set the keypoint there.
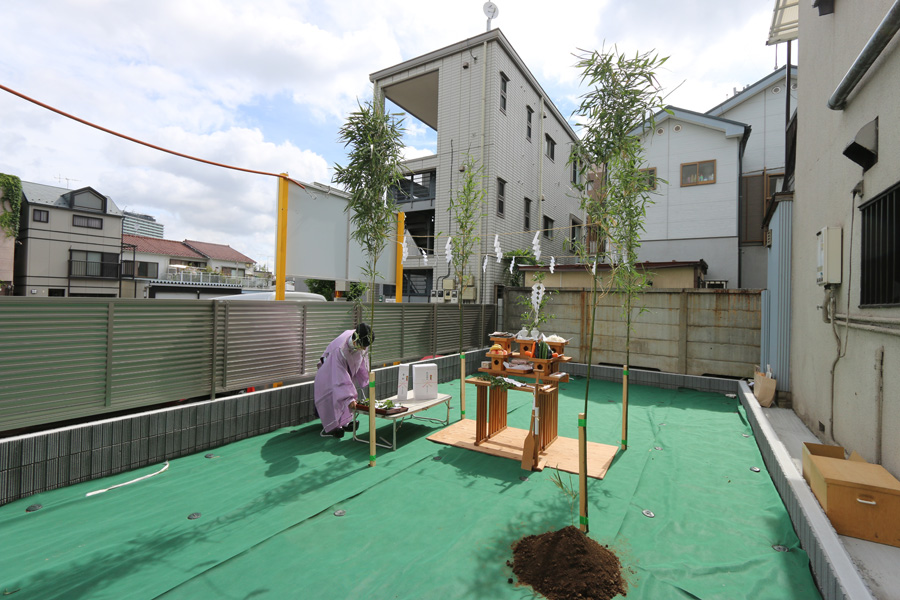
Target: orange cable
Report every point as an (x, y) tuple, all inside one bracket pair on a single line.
[(137, 141)]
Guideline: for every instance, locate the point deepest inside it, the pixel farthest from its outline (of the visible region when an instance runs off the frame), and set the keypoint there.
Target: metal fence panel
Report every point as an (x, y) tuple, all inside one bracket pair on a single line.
[(160, 352), (78, 357), (44, 345)]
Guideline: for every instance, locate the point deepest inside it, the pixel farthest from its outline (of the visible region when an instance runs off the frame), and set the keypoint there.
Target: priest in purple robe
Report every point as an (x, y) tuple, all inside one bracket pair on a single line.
[(343, 366)]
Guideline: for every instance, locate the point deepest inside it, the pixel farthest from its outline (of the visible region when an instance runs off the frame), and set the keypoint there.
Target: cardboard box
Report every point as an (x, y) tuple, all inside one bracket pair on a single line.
[(862, 500), (425, 381)]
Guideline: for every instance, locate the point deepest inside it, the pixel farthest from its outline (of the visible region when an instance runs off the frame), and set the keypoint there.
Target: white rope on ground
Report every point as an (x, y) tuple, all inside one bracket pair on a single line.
[(129, 482)]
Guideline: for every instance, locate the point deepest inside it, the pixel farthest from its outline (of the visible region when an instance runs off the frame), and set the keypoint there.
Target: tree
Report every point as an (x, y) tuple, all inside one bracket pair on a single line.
[(466, 209), (374, 140), (623, 98)]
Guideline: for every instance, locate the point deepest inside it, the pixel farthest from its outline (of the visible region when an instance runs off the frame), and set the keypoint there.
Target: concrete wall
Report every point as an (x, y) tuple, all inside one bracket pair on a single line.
[(865, 399), (693, 332), (672, 277), (720, 254)]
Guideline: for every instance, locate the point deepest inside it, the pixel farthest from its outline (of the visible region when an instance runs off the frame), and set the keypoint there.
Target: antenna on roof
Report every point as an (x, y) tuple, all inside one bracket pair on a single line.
[(59, 178), (491, 12)]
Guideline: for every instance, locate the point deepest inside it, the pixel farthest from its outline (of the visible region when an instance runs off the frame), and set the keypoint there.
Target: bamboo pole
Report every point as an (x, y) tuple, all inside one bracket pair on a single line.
[(582, 473), (624, 407), (372, 419), (462, 380)]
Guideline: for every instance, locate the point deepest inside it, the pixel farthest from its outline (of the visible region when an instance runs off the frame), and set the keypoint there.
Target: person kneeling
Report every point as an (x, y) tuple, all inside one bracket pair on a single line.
[(343, 367)]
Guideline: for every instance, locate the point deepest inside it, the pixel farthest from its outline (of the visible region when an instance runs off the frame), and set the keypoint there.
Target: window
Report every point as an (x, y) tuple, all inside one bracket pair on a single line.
[(56, 292), (550, 149), (529, 117), (575, 230), (416, 186), (880, 278), (651, 177), (698, 173), (83, 263), (40, 216), (88, 200), (527, 214), (504, 85), (91, 222), (548, 228), (501, 196), (575, 176), (149, 270)]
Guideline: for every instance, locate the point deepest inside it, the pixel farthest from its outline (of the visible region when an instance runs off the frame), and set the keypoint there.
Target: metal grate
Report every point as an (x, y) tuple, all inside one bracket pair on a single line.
[(880, 279)]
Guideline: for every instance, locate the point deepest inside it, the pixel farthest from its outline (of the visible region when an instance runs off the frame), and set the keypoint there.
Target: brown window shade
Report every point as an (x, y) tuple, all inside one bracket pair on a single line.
[(753, 202)]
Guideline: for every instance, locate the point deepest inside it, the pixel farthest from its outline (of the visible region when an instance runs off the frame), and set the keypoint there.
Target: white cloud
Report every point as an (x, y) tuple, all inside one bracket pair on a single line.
[(266, 86)]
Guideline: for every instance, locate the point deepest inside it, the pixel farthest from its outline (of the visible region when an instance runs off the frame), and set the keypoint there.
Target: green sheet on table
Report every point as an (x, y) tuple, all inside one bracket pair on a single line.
[(414, 526)]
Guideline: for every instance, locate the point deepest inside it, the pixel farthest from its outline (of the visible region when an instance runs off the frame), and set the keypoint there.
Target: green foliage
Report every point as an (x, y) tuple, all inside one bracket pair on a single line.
[(321, 286), (357, 290), (569, 492), (496, 382), (12, 196), (523, 257), (623, 98), (373, 138), (466, 209)]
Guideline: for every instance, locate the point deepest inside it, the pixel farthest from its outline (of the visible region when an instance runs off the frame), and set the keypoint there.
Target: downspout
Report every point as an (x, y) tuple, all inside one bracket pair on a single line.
[(484, 171), (540, 145), (740, 193), (870, 53)]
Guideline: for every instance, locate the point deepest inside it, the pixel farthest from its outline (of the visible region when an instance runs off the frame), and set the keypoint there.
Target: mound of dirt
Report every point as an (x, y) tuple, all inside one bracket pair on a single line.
[(566, 564)]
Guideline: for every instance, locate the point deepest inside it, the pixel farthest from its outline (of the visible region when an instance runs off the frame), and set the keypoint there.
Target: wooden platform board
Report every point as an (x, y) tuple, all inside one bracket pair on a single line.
[(562, 454)]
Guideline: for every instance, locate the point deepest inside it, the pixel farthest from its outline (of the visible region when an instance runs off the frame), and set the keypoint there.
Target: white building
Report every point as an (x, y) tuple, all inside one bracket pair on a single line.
[(138, 224), (483, 102)]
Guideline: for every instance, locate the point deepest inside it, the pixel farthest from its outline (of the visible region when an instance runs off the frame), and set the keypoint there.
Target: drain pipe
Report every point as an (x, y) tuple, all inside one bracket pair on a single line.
[(870, 53)]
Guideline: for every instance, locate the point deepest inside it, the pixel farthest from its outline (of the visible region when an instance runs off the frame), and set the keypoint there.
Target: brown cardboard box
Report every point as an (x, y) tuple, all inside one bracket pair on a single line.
[(862, 500)]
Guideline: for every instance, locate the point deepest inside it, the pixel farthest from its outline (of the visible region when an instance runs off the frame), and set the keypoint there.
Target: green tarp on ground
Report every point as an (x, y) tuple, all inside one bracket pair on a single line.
[(429, 521)]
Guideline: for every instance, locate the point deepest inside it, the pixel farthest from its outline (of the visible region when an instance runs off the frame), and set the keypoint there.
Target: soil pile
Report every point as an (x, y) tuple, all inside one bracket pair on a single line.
[(566, 564)]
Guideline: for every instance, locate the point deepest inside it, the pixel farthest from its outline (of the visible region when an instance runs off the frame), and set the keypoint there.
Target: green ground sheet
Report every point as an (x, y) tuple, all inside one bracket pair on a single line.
[(429, 521)]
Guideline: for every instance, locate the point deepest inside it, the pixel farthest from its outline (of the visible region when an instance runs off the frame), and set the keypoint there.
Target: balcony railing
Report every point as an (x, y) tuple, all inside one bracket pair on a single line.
[(202, 278), (88, 269)]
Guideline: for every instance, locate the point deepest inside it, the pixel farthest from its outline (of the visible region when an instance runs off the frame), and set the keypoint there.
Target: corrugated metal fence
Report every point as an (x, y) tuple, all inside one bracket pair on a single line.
[(77, 357)]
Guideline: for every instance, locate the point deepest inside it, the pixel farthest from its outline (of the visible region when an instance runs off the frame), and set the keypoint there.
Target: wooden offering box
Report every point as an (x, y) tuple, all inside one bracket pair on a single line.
[(543, 369)]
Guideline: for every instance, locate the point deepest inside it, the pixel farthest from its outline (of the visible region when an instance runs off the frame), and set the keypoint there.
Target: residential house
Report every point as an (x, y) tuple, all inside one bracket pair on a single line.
[(69, 243), (845, 247), (484, 103), (711, 174), (157, 268)]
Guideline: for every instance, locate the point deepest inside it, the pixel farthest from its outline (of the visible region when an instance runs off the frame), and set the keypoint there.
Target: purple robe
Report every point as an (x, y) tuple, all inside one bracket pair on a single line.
[(334, 389)]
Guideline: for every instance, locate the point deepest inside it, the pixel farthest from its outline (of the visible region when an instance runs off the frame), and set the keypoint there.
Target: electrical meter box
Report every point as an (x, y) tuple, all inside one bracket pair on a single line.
[(449, 284), (828, 256)]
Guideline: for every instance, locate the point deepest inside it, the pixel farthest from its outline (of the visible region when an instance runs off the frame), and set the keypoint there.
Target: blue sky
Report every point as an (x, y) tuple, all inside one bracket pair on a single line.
[(266, 86)]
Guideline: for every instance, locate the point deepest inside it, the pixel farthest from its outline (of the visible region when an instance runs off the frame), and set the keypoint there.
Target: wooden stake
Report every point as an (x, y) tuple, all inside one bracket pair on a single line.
[(372, 419), (624, 407), (582, 472), (462, 385)]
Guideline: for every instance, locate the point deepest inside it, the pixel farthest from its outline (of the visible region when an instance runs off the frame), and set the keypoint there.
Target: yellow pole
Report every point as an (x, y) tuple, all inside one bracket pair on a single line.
[(281, 238), (401, 235), (582, 473)]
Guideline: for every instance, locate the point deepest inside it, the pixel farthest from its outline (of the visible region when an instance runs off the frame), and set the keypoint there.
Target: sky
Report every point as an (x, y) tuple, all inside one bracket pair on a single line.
[(267, 85)]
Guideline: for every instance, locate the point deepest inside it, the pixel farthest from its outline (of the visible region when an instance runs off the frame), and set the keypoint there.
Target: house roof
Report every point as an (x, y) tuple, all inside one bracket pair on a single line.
[(50, 195), (750, 91), (150, 245), (218, 251), (727, 126)]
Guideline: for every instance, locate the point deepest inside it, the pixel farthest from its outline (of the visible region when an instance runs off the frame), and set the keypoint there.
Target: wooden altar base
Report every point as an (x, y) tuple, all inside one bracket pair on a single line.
[(562, 453)]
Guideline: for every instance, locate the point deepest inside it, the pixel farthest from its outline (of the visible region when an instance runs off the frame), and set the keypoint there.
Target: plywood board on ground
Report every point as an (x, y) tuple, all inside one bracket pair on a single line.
[(562, 454)]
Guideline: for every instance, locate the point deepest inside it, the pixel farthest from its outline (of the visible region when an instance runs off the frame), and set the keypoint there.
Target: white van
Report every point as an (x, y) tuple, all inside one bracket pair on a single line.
[(288, 296)]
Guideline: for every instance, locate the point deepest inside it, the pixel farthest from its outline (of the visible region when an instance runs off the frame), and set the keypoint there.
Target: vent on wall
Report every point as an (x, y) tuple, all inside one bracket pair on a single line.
[(776, 90), (660, 131), (677, 128), (794, 86), (768, 238)]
